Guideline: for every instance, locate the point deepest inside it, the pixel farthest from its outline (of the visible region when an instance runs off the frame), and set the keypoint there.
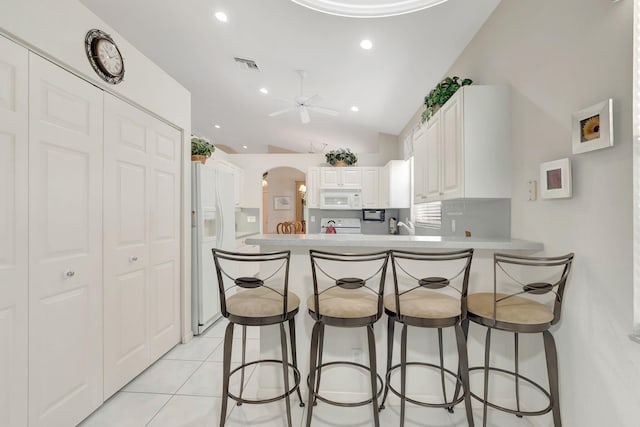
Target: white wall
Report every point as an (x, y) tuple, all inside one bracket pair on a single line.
[(56, 30), (281, 183), (559, 57)]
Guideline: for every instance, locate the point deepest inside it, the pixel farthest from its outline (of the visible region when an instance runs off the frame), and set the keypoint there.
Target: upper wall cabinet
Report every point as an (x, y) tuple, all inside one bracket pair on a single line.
[(463, 151), (370, 187), (336, 177), (395, 185), (313, 188)]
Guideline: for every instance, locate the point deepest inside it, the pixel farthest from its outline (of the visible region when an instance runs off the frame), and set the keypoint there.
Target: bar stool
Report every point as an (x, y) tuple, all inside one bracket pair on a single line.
[(511, 312), (430, 291), (256, 304), (345, 302)]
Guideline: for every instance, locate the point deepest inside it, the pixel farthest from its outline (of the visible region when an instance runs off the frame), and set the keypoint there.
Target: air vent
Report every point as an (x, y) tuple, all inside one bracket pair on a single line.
[(247, 64)]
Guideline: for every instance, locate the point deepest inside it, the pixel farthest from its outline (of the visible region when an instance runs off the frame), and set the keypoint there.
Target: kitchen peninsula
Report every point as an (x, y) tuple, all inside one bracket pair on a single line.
[(349, 343)]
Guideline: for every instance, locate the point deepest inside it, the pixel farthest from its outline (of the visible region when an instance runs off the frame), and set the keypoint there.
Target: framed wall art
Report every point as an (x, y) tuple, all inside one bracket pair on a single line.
[(555, 179), (282, 203), (592, 128)]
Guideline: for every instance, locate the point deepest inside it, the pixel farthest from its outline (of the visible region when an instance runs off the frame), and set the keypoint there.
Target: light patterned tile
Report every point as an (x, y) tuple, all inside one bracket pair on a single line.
[(197, 349), (190, 411), (164, 376), (127, 410), (207, 380), (252, 352)]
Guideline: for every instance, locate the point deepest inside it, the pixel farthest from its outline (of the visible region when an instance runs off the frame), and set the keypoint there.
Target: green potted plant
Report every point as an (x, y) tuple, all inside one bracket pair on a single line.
[(201, 149), (341, 157), (441, 94)]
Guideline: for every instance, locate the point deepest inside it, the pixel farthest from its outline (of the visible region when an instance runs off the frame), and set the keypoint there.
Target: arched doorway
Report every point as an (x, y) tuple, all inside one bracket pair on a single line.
[(282, 199)]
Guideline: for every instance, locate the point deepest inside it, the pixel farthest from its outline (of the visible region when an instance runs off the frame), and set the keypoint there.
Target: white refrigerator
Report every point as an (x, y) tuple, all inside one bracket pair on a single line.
[(212, 226)]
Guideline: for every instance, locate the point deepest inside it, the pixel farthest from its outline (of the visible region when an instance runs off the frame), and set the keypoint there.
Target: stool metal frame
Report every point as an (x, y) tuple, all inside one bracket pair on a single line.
[(226, 263), (406, 268), (511, 267), (323, 275)]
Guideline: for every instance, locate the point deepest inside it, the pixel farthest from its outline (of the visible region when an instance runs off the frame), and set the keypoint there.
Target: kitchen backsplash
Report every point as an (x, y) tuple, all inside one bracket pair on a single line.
[(484, 218), (368, 227), (247, 221)]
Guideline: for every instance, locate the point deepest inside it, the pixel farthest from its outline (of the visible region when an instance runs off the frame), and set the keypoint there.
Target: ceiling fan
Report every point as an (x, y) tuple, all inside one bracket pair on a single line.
[(302, 104)]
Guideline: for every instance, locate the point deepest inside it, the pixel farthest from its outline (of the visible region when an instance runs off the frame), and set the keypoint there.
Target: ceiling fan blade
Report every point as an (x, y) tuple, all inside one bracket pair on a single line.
[(308, 99), (304, 115), (277, 113), (323, 110)]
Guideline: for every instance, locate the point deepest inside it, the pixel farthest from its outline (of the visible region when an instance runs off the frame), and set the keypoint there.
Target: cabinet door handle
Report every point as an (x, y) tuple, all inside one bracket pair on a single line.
[(69, 273), (133, 258)]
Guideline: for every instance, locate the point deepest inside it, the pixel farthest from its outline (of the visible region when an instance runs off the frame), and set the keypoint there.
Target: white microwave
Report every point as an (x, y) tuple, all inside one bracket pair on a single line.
[(340, 199)]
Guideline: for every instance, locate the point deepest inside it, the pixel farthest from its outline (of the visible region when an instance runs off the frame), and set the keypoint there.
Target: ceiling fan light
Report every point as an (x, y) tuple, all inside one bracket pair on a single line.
[(368, 8)]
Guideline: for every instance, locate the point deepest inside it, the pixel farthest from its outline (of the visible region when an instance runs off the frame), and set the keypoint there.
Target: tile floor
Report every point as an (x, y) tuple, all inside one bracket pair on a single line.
[(184, 388)]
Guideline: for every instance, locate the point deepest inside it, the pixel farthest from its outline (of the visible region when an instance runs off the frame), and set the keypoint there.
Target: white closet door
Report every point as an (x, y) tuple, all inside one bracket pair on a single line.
[(126, 275), (13, 233), (164, 238), (142, 245), (65, 246)]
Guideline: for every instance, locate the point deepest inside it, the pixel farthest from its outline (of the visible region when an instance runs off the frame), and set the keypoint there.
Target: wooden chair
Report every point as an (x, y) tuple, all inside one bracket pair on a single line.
[(289, 227)]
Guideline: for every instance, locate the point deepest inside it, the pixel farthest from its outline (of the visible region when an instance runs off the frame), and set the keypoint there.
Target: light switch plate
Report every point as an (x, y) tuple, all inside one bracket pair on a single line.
[(533, 190)]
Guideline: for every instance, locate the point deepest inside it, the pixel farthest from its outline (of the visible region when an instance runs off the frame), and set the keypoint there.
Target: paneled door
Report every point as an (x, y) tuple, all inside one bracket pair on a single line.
[(141, 243), (65, 246), (14, 262)]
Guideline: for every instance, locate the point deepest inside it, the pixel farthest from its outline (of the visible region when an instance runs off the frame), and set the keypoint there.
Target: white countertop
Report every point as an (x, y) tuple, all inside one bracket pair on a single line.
[(390, 241)]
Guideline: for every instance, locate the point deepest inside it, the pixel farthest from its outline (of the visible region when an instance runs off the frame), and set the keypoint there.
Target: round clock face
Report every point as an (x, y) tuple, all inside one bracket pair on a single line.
[(104, 56)]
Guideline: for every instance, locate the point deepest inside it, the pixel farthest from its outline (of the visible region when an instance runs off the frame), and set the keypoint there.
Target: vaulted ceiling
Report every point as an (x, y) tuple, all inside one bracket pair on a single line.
[(410, 54)]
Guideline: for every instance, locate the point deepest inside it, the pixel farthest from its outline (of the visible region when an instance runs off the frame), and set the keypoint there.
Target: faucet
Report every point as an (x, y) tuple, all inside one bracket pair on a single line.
[(411, 229)]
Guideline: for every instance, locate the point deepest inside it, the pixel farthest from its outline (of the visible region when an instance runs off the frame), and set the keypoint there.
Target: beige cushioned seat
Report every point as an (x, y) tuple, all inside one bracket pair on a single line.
[(424, 304), (515, 309), (346, 303), (260, 302)]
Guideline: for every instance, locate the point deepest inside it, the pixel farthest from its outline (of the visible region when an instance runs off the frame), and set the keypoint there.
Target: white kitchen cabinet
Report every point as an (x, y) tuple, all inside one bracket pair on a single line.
[(341, 177), (370, 187), (313, 188), (142, 251), (395, 185), (65, 246), (464, 149), (14, 261)]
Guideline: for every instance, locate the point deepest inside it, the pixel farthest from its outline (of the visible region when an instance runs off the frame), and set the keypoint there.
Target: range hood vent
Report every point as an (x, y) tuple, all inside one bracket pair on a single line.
[(247, 64)]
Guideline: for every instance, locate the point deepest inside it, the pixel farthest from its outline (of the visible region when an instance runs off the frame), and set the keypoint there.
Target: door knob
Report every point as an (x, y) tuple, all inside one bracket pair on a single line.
[(69, 273)]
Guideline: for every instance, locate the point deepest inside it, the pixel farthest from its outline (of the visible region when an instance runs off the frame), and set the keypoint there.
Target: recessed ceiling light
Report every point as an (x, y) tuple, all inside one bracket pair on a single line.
[(245, 147), (355, 109), (216, 126), (221, 16), (366, 44), (264, 90)]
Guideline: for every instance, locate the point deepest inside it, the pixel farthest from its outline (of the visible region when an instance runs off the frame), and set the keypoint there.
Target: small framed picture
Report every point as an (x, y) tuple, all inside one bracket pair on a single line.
[(555, 179), (281, 203), (592, 128)]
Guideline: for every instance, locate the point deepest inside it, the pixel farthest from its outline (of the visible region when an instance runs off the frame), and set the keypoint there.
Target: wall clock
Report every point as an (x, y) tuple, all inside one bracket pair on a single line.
[(104, 56)]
